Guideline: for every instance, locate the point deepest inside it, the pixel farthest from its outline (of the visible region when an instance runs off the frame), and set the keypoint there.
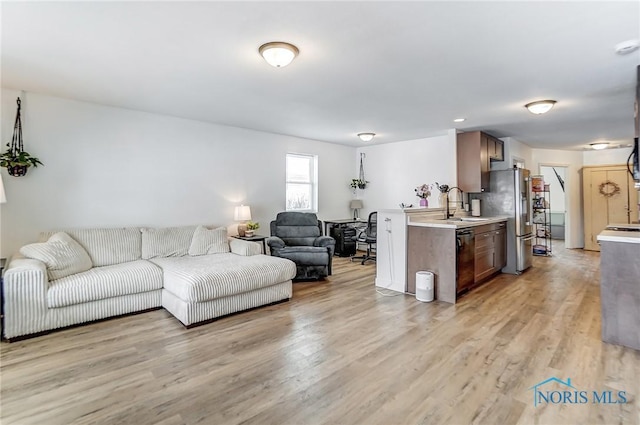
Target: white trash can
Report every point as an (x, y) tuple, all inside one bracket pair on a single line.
[(424, 286)]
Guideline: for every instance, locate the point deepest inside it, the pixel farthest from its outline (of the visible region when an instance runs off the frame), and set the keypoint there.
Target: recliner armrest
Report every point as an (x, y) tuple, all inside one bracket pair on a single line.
[(324, 241), (275, 242)]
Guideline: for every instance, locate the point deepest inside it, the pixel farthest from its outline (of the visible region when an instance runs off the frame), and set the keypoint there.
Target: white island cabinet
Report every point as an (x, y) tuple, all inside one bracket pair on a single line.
[(391, 250)]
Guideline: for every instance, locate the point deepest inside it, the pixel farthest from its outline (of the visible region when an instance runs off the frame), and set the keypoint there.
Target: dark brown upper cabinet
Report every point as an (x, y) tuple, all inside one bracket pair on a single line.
[(476, 150)]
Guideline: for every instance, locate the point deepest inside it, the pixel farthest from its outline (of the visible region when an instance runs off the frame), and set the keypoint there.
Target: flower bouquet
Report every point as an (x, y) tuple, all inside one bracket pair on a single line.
[(423, 192)]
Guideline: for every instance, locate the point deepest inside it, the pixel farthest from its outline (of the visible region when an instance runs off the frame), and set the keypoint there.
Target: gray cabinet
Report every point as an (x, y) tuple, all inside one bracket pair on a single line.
[(490, 251)]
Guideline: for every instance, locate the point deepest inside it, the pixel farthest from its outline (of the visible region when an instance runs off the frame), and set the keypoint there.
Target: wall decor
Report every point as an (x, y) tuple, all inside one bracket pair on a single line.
[(15, 159), (609, 188)]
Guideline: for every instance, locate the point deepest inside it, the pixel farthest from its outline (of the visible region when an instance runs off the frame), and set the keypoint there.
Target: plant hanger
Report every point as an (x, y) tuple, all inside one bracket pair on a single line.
[(15, 159), (363, 181), (17, 144)]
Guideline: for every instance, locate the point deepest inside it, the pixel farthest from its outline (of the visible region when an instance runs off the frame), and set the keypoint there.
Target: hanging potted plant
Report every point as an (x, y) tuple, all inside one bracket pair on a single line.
[(15, 159), (17, 163), (360, 182)]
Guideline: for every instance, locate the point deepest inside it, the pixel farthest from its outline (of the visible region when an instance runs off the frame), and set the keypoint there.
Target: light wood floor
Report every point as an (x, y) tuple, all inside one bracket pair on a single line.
[(338, 353)]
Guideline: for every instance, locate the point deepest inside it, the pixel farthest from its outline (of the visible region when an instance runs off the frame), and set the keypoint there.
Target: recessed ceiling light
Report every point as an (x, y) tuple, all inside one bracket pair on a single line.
[(540, 106), (599, 145), (366, 137), (627, 47), (459, 120), (278, 53)]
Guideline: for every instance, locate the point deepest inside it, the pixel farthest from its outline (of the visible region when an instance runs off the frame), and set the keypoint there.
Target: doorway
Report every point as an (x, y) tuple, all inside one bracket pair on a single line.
[(556, 177), (609, 198)]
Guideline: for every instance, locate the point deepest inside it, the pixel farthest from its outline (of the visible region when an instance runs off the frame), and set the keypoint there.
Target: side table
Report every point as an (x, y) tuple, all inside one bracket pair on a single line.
[(255, 238)]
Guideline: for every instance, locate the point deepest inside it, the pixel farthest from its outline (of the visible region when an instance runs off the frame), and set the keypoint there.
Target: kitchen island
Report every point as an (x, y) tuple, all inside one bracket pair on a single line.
[(620, 286), (462, 252)]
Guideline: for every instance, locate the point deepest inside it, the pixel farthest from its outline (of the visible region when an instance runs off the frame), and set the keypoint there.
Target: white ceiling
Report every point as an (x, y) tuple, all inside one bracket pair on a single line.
[(403, 70)]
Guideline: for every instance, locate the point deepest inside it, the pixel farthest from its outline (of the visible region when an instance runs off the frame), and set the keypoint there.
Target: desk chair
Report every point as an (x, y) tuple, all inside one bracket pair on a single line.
[(368, 236)]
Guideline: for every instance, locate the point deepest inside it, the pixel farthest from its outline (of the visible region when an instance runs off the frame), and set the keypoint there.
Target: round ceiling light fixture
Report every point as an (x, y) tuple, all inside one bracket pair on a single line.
[(459, 120), (540, 106), (366, 137), (599, 145), (627, 47), (278, 53)]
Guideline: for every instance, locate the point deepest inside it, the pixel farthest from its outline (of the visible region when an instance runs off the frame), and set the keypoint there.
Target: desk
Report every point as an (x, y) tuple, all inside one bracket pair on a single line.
[(341, 221), (255, 238)]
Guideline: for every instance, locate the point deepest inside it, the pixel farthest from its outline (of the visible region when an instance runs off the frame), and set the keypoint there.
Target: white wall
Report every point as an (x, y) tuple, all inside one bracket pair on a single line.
[(513, 148), (114, 167), (394, 170), (573, 189), (606, 156)]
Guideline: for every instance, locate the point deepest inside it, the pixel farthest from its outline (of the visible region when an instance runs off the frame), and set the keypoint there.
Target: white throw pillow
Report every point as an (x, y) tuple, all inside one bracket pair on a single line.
[(207, 241), (166, 242), (62, 255)]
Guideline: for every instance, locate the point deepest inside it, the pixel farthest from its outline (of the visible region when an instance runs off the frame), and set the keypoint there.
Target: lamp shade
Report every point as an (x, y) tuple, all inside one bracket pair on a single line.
[(3, 197), (242, 213), (355, 204)]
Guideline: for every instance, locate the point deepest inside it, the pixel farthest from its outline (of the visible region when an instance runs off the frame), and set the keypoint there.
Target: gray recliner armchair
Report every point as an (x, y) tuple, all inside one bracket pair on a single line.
[(298, 237)]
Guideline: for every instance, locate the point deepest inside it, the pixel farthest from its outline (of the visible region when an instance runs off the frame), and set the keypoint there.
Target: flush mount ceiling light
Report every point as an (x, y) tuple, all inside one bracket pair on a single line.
[(459, 120), (540, 106), (366, 137), (599, 145), (278, 53), (627, 47)]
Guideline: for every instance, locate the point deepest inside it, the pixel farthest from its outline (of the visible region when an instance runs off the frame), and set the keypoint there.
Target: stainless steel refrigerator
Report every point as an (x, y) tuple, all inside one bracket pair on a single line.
[(510, 195)]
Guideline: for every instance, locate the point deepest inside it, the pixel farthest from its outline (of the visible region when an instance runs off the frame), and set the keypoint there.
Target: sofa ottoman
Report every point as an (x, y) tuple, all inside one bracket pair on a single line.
[(197, 289)]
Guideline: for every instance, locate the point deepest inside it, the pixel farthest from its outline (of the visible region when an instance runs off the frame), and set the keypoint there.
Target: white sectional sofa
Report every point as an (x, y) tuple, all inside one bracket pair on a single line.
[(81, 275)]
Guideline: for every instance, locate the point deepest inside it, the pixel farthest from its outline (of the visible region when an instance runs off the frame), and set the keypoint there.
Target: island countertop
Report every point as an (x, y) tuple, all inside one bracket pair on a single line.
[(619, 236), (629, 233), (459, 223)]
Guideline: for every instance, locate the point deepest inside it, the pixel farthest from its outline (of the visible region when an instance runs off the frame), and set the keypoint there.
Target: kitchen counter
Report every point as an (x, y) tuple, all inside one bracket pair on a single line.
[(458, 260), (454, 223)]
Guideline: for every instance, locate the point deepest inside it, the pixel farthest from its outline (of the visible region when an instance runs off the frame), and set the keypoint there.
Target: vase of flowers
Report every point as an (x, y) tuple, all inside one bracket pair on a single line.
[(423, 192)]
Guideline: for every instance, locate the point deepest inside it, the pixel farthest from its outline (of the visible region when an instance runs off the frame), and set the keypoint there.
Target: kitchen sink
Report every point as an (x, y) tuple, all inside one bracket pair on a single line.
[(463, 219)]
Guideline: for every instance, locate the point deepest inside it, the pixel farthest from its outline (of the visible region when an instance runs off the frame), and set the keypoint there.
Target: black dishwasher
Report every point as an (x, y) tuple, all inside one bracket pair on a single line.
[(465, 245)]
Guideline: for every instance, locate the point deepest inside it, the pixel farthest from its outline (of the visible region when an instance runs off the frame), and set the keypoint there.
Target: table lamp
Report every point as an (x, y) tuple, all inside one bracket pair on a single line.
[(242, 214), (355, 205)]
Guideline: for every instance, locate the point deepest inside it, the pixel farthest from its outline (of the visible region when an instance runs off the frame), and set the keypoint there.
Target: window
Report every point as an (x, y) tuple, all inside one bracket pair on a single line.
[(302, 182)]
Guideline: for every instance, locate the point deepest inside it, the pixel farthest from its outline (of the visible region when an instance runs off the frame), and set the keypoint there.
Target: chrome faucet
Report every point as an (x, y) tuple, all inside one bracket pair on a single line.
[(447, 214)]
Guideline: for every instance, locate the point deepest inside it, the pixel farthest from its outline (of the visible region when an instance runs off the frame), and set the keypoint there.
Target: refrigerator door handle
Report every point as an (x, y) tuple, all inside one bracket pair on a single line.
[(528, 238)]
